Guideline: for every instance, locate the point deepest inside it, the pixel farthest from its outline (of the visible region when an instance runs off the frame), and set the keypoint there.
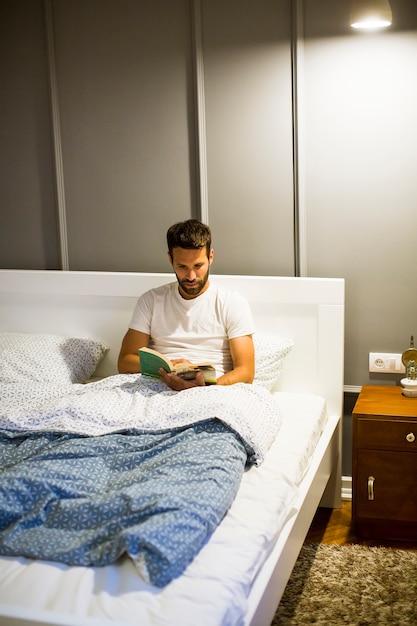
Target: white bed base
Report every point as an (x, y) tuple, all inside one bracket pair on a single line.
[(310, 310)]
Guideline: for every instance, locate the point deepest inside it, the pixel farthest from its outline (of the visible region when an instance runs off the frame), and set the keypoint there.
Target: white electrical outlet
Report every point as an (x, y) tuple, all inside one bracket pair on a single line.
[(386, 363)]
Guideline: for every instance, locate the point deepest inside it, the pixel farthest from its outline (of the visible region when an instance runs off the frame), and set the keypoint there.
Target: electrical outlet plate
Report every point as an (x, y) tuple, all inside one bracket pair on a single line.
[(386, 363)]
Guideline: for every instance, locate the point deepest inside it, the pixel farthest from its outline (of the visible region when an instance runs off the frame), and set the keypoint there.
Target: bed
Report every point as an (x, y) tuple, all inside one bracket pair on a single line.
[(238, 576)]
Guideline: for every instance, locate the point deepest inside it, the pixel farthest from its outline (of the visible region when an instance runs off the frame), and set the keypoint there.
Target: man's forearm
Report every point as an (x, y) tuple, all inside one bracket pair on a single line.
[(128, 364), (237, 375)]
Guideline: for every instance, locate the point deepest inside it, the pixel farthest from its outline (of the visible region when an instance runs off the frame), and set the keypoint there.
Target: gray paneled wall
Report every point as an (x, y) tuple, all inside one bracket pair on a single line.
[(125, 90), (361, 152), (247, 61), (28, 232), (125, 75)]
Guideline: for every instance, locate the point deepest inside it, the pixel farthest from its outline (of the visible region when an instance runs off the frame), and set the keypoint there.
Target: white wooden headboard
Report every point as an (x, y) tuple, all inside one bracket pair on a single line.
[(100, 305)]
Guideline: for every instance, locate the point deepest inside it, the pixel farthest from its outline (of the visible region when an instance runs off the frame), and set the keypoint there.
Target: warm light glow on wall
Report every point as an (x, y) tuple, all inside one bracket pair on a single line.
[(370, 14)]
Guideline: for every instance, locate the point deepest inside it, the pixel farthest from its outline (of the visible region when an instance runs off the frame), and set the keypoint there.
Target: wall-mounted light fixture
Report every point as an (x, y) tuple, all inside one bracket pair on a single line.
[(370, 14)]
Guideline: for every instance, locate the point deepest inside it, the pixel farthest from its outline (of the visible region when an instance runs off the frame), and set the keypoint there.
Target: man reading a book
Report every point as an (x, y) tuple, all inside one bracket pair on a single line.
[(192, 320)]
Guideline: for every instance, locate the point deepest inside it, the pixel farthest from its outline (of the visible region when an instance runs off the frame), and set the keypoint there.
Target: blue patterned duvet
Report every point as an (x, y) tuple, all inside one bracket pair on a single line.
[(87, 475)]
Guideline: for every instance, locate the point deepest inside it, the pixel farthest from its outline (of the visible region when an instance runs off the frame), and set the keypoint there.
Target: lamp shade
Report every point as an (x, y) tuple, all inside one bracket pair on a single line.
[(370, 14)]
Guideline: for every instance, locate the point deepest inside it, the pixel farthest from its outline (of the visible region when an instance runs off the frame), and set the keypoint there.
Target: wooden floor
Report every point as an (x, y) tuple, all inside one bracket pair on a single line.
[(335, 526)]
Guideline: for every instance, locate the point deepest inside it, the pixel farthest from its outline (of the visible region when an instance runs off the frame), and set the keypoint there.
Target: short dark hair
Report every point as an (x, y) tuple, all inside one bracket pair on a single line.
[(191, 234)]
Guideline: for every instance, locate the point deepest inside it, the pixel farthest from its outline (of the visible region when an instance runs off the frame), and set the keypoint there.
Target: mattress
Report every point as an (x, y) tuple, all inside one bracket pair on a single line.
[(214, 588)]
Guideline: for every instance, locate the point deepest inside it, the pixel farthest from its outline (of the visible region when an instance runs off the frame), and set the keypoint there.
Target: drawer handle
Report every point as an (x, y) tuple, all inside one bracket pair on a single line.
[(371, 481), (410, 437)]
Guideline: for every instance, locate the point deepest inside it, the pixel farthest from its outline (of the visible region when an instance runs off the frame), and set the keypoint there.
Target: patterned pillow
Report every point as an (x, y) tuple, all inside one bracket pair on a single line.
[(48, 358), (269, 358)]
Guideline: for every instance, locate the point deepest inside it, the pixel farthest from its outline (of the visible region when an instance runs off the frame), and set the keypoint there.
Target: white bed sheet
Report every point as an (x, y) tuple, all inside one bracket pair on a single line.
[(216, 584)]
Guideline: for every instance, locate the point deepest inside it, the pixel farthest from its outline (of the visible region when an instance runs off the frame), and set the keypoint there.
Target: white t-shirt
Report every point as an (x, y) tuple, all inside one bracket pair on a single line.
[(198, 329)]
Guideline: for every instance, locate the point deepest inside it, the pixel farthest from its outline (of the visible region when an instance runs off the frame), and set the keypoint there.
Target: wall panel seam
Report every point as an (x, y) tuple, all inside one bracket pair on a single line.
[(201, 135), (56, 133), (298, 102)]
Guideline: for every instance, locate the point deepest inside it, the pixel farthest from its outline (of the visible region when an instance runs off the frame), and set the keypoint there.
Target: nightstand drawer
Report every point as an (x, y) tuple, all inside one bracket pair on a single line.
[(393, 434), (386, 486)]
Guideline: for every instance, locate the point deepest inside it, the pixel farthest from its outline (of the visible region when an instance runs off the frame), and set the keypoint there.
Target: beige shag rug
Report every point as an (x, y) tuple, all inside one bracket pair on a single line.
[(333, 585)]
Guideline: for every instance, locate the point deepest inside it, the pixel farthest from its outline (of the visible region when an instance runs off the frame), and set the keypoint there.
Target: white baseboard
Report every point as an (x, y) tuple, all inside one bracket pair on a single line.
[(346, 487), (352, 388)]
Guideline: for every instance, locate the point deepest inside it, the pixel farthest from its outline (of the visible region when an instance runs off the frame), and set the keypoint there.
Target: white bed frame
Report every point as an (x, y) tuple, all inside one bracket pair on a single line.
[(310, 310)]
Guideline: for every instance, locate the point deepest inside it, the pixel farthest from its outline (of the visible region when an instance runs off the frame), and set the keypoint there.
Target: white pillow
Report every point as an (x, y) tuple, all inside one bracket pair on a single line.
[(48, 358), (270, 352)]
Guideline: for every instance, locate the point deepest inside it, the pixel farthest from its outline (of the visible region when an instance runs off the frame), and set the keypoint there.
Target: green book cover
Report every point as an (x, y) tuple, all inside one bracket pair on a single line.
[(151, 361)]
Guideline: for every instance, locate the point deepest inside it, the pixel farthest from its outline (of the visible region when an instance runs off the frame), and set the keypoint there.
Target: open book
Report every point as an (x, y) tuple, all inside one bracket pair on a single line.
[(151, 361)]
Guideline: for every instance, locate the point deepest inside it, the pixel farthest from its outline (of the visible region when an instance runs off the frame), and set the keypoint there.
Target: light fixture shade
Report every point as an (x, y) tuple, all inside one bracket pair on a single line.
[(370, 14)]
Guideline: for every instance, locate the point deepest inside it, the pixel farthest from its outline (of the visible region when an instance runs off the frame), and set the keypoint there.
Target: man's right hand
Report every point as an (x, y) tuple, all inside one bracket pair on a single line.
[(177, 383)]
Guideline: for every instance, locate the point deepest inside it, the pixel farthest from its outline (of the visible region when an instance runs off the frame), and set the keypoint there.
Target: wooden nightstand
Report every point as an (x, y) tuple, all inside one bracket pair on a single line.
[(384, 464)]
